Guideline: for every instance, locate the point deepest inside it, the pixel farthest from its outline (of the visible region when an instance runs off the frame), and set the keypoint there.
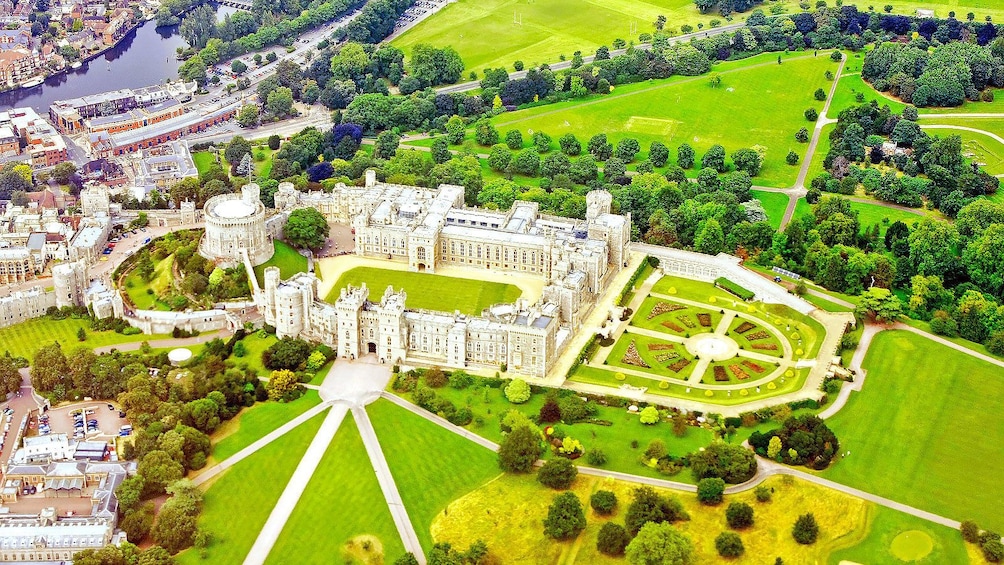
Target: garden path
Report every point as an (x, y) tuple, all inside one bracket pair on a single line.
[(855, 365), (165, 343)]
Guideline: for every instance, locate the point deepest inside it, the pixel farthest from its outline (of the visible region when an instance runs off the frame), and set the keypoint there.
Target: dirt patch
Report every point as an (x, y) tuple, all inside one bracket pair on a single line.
[(365, 549)]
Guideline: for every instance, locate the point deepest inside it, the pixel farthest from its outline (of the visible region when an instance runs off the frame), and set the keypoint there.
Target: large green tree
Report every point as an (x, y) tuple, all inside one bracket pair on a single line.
[(565, 518), (306, 228), (660, 544), (519, 449)]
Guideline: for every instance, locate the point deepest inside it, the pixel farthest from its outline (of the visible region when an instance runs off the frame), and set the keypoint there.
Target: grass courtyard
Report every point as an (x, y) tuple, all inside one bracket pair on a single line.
[(146, 295), (756, 91), (429, 291), (936, 445), (237, 503), (342, 503), (431, 466), (484, 35), (24, 339), (286, 257)]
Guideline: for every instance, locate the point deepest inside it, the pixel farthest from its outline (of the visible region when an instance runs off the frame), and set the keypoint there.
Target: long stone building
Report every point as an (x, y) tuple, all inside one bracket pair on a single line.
[(430, 229)]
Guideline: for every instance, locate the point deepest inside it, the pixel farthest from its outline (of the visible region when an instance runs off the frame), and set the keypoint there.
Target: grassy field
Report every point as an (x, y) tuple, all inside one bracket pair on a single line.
[(981, 148), (428, 291), (287, 258), (203, 160), (507, 514), (885, 525), (431, 466), (342, 503), (255, 346), (944, 422), (26, 338), (136, 288), (688, 109), (774, 203), (255, 422), (238, 503), (485, 36)]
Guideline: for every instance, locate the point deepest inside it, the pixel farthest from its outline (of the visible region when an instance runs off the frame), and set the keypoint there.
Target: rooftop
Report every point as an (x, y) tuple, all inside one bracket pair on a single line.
[(233, 209)]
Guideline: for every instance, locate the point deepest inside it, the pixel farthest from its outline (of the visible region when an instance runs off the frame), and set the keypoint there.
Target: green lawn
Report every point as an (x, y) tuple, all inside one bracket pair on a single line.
[(203, 160), (484, 34), (885, 524), (257, 421), (756, 91), (850, 86), (255, 346), (774, 203), (986, 151), (343, 500), (238, 503), (643, 344), (136, 288), (936, 444), (26, 338), (287, 258), (428, 291), (432, 467)]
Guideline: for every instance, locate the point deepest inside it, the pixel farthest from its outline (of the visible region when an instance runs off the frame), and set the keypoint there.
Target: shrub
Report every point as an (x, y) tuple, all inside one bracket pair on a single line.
[(435, 378), (739, 515), (762, 493), (811, 114), (791, 158), (603, 502), (993, 550), (733, 463), (649, 415), (729, 544), (549, 412), (970, 531), (517, 391), (565, 518), (612, 539), (710, 491), (596, 457), (519, 450), (820, 94), (460, 380), (649, 506), (558, 473), (806, 530)]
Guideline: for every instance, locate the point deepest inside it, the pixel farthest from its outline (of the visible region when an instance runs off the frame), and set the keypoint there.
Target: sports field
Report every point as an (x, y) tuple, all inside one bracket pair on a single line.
[(935, 447), (755, 103), (428, 291), (485, 35)]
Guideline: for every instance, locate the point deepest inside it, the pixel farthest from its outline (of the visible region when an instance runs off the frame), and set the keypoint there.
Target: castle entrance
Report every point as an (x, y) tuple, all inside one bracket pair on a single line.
[(371, 347)]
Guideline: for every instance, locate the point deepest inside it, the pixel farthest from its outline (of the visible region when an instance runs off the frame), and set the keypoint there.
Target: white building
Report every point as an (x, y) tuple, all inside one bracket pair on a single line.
[(235, 224)]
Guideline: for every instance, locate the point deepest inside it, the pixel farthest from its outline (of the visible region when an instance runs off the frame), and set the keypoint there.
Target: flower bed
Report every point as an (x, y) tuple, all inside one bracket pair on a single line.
[(679, 365), (664, 307), (745, 327), (704, 320), (738, 372), (720, 374), (632, 357), (660, 346), (673, 327), (764, 346), (664, 357), (758, 336), (687, 321), (752, 366)]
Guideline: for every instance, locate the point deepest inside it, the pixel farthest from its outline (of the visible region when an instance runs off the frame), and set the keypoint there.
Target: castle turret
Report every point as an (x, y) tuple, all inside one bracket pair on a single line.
[(349, 307), (70, 282), (598, 202)]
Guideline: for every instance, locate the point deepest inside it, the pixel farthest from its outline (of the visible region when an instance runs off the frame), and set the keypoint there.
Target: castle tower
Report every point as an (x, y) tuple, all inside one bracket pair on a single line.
[(70, 281), (393, 330), (188, 214), (598, 202), (271, 284), (349, 307), (286, 197)]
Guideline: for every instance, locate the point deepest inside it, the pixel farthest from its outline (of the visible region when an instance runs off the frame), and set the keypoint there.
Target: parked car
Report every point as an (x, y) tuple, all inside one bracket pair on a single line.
[(111, 407)]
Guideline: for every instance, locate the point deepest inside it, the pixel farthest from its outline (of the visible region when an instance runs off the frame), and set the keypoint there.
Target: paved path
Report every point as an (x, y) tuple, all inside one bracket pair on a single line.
[(390, 493), (829, 298), (994, 136), (947, 343), (962, 115), (282, 510), (165, 343), (859, 373)]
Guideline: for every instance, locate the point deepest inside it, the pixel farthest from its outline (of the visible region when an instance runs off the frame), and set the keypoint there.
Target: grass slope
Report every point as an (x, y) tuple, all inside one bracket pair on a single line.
[(428, 291), (944, 421), (287, 258), (137, 288), (26, 338), (885, 524), (774, 203), (756, 92), (238, 503), (343, 500), (256, 422), (431, 465)]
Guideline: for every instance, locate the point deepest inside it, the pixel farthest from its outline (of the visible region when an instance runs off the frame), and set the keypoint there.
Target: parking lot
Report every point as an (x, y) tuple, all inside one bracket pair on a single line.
[(96, 423), (21, 403)]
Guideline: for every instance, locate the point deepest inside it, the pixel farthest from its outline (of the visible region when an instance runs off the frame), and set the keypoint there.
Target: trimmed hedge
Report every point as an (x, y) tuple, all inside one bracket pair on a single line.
[(731, 287)]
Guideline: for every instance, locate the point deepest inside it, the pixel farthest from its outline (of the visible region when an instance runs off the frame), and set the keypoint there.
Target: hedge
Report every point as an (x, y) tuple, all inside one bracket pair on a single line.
[(634, 278), (729, 286), (586, 353)]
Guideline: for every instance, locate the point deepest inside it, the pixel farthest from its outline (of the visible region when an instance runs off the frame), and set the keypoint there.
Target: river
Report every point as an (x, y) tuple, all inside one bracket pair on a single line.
[(146, 56)]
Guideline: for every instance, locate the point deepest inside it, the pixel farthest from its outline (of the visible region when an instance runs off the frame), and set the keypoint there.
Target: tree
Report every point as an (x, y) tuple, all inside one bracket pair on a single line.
[(194, 69), (49, 368), (485, 133), (820, 94), (406, 559), (456, 130), (541, 142), (739, 515), (599, 148), (805, 530), (435, 66), (993, 550), (710, 239), (280, 102), (138, 522), (519, 449), (984, 259), (811, 114), (274, 141), (565, 518), (747, 160), (714, 158), (159, 469), (658, 153), (729, 544), (802, 135), (514, 139), (281, 383), (685, 156), (612, 539), (649, 506), (441, 151), (879, 305), (649, 415), (627, 148), (238, 67), (499, 157), (558, 473), (306, 228), (791, 158), (734, 463), (710, 491), (236, 150), (774, 447), (386, 145), (660, 544), (10, 377), (570, 145), (517, 391), (603, 502), (175, 528), (970, 531)]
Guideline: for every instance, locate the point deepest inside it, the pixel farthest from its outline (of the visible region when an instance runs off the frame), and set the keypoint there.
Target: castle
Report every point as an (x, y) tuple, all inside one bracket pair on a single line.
[(428, 229)]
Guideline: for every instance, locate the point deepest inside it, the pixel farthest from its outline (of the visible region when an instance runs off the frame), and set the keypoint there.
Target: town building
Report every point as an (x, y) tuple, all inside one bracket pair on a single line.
[(17, 264), (16, 66), (135, 118), (163, 166), (68, 115), (38, 142)]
